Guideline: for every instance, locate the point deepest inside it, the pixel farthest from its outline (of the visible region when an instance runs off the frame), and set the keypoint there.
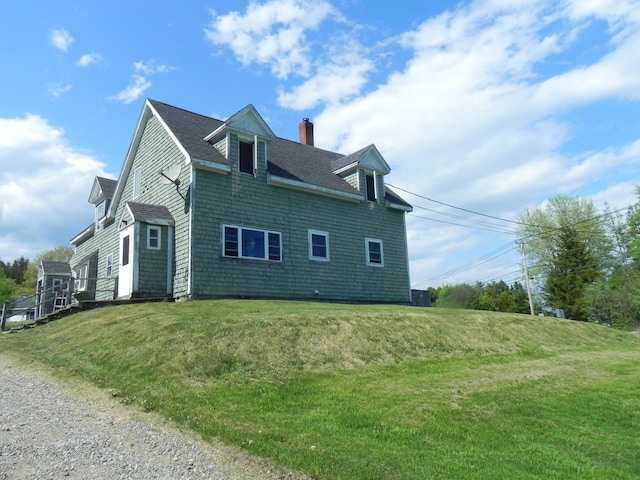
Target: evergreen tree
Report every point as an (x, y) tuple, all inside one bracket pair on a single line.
[(572, 267)]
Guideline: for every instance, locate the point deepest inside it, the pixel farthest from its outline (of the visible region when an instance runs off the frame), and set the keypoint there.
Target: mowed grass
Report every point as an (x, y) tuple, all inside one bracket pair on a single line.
[(368, 392)]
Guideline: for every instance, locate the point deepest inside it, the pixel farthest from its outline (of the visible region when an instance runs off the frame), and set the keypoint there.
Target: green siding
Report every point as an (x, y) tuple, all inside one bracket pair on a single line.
[(152, 264), (157, 152), (214, 199), (241, 199)]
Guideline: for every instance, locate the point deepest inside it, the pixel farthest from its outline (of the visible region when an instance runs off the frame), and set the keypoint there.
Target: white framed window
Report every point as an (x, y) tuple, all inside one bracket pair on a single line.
[(81, 277), (109, 266), (137, 182), (375, 254), (153, 238), (251, 243), (318, 245)]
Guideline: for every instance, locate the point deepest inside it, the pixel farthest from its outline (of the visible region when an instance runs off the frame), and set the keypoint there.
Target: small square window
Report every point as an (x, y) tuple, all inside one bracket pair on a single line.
[(153, 238), (318, 245), (375, 256)]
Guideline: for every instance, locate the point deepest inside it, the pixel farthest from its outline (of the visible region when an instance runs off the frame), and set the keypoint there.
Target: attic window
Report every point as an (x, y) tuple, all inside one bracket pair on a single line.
[(246, 158), (371, 188)]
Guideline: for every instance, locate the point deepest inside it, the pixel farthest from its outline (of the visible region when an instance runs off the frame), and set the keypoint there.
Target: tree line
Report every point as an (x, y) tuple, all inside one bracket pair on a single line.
[(582, 262)]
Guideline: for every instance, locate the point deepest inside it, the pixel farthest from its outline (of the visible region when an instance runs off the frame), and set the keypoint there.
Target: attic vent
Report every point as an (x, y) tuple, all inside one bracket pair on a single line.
[(305, 129)]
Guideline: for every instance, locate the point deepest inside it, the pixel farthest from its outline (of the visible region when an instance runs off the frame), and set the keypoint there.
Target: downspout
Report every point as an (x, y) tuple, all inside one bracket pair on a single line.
[(190, 231)]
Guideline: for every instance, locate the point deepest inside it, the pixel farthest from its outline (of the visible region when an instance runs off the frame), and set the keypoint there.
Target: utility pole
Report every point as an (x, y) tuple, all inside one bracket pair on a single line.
[(526, 277)]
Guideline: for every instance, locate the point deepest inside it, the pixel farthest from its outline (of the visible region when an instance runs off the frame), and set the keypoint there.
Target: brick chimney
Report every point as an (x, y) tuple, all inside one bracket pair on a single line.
[(306, 132)]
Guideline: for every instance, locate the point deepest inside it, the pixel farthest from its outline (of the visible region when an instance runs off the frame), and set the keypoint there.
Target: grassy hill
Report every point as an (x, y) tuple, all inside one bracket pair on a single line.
[(371, 392)]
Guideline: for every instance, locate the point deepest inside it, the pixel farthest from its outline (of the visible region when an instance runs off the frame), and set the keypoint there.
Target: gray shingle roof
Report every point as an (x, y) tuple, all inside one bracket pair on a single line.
[(51, 267), (190, 129), (107, 186), (144, 212), (286, 159)]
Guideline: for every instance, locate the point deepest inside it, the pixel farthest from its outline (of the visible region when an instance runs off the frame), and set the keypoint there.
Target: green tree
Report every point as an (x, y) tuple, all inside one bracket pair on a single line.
[(571, 268), (520, 298), (568, 246), (18, 270), (456, 296), (7, 287)]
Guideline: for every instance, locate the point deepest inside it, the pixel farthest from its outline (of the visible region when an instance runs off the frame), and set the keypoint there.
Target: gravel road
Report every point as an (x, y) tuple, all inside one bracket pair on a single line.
[(48, 432)]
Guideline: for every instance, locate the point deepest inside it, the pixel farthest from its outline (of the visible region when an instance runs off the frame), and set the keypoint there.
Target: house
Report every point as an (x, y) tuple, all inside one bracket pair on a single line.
[(205, 208), (22, 310), (53, 286)]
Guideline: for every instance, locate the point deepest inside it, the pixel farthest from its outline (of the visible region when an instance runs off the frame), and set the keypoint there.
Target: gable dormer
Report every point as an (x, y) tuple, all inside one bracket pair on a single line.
[(101, 194), (241, 137), (365, 171)]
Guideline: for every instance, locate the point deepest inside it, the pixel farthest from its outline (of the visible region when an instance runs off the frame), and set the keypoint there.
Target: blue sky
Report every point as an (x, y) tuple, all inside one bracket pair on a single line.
[(488, 106)]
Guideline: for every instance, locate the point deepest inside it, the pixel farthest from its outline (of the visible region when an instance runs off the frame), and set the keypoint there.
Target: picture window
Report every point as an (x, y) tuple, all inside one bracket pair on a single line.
[(251, 243)]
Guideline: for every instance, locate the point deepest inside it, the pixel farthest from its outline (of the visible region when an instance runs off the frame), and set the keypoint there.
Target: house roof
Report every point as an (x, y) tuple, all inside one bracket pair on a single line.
[(190, 130), (55, 268), (107, 185), (144, 212), (289, 163), (24, 303)]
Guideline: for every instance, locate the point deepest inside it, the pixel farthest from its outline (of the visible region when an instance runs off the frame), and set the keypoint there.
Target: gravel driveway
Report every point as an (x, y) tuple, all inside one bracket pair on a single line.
[(49, 432)]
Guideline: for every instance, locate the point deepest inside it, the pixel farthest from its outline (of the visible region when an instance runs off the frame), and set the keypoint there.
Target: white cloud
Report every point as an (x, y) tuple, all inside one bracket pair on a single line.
[(60, 38), (272, 33), (88, 59), (59, 89), (44, 186), (341, 78), (478, 116), (140, 83)]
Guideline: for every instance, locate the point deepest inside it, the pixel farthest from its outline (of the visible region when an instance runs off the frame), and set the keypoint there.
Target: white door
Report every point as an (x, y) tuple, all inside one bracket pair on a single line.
[(125, 274)]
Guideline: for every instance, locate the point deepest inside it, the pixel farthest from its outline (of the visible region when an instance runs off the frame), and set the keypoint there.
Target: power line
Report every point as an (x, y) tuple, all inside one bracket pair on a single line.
[(453, 206)]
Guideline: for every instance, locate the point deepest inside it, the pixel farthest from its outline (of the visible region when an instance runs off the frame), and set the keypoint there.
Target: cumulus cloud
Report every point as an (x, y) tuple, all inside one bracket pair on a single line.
[(480, 116), (43, 187), (272, 33), (341, 78), (60, 39), (140, 82), (88, 59)]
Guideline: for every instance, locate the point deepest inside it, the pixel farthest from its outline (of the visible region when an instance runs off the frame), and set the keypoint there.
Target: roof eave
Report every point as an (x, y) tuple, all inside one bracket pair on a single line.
[(211, 166), (84, 235), (398, 206), (315, 189)]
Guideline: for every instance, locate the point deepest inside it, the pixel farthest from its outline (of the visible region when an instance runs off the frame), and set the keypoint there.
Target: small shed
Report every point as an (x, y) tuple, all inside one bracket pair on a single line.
[(421, 298)]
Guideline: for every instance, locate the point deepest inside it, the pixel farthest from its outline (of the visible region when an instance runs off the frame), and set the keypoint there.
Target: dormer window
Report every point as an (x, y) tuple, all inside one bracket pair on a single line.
[(100, 212), (246, 162), (371, 187)]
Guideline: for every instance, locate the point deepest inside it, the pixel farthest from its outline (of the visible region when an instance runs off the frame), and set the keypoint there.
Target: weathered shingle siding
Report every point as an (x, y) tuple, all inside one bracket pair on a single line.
[(246, 201), (158, 152), (103, 243), (152, 264)]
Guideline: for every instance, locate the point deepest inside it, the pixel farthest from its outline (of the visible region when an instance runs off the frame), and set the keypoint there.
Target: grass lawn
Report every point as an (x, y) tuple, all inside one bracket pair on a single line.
[(368, 392)]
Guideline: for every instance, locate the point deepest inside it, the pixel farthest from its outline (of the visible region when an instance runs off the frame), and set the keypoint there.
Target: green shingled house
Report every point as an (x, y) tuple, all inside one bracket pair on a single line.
[(207, 208)]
